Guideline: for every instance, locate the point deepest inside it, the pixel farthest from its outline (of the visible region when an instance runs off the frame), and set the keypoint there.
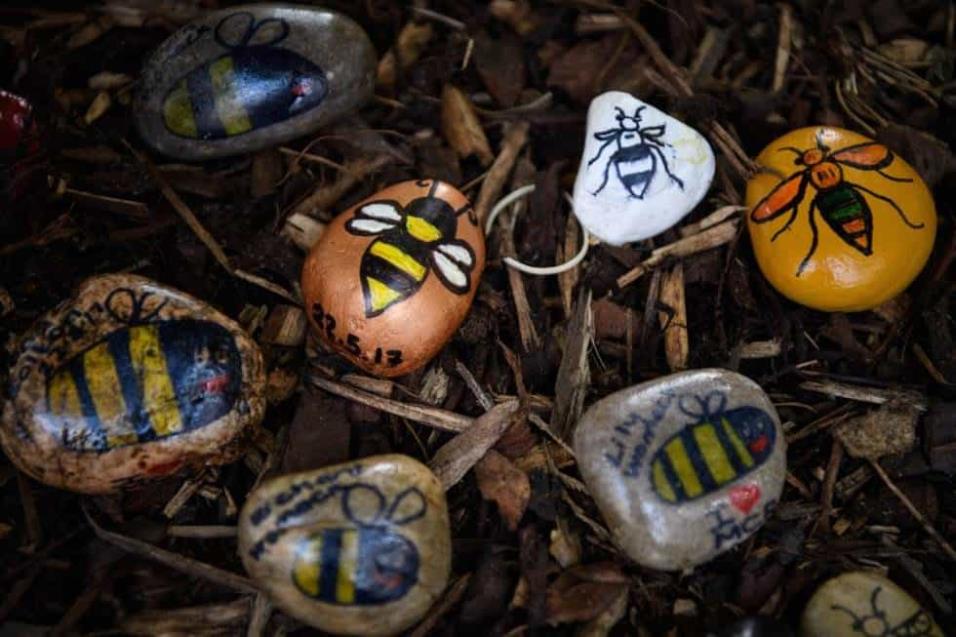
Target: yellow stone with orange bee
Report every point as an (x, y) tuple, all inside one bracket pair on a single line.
[(838, 222)]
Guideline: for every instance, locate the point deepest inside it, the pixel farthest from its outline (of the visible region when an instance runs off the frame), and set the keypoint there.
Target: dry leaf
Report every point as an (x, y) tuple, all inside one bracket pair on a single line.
[(500, 481), (889, 429), (460, 125), (583, 592), (411, 42), (500, 63)]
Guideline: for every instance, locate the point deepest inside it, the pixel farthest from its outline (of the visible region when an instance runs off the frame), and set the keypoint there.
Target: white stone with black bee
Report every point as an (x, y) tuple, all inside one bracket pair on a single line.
[(641, 171)]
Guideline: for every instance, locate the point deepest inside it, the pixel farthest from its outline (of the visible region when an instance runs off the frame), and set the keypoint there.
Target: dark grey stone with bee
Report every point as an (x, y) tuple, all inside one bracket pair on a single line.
[(250, 77)]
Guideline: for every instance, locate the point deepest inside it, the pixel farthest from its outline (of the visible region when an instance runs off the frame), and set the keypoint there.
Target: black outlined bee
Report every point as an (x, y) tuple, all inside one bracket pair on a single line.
[(368, 562), (839, 201), (719, 446), (149, 380), (253, 85), (412, 240), (919, 624), (638, 151)]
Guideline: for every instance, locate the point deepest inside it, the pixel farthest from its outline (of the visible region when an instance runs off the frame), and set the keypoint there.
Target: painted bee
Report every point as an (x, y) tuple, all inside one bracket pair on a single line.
[(840, 203), (366, 564), (143, 383), (919, 624), (410, 241), (254, 85), (637, 154), (720, 446)]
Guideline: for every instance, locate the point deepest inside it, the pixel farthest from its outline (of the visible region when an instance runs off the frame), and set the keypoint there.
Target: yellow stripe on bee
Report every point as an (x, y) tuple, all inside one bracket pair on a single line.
[(421, 229), (308, 565), (662, 484), (677, 454), (398, 258), (348, 562), (229, 107), (64, 399), (149, 365), (103, 382), (713, 452), (178, 112), (381, 295), (739, 447)]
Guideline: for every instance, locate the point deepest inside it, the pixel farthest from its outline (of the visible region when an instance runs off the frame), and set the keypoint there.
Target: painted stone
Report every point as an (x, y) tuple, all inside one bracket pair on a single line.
[(19, 145), (864, 604), (250, 77), (361, 548), (128, 381), (837, 221), (392, 278), (641, 172), (683, 467)]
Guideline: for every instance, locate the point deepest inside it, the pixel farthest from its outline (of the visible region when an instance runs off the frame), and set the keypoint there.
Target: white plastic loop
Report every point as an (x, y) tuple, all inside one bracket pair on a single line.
[(524, 267)]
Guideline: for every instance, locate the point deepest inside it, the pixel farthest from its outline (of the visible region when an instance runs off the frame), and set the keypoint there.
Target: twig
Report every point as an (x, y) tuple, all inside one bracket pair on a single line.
[(431, 416), (261, 611), (873, 395), (946, 546), (451, 597), (516, 136), (457, 456), (829, 482), (783, 47), (173, 560), (204, 532), (706, 240)]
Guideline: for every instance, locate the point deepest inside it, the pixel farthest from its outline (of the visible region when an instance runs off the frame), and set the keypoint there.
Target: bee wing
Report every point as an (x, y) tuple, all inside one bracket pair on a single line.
[(375, 218), (868, 156), (409, 505), (610, 133), (362, 503), (786, 195), (453, 261), (653, 131)]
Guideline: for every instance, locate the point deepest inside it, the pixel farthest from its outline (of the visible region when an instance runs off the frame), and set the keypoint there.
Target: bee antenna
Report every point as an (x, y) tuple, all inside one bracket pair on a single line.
[(793, 150), (433, 188), (637, 113), (620, 113)]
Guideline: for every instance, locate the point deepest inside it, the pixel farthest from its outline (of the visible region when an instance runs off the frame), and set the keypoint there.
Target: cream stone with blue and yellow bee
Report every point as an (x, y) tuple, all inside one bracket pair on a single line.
[(128, 381), (865, 604), (684, 467), (391, 279), (252, 76), (361, 548)]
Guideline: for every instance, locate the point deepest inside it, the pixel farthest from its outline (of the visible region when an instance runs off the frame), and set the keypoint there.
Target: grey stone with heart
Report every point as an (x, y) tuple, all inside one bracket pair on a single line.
[(641, 172), (684, 467), (250, 77)]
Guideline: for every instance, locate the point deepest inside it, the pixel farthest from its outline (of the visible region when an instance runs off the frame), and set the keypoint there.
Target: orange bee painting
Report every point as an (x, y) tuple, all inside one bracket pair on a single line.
[(840, 203)]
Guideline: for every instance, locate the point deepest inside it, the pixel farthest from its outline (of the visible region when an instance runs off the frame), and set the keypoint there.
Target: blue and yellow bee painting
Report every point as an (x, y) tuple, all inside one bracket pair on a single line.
[(718, 447), (144, 382), (367, 562), (253, 85)]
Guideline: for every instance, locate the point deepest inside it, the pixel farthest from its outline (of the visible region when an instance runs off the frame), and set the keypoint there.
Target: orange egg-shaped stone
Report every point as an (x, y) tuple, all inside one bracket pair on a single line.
[(838, 222), (392, 278)]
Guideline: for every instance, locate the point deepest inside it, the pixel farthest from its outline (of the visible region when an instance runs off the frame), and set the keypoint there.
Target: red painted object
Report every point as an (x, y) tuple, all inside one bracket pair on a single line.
[(19, 143)]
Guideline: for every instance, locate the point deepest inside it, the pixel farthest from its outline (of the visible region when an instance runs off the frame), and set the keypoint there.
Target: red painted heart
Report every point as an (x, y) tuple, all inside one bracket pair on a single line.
[(744, 497)]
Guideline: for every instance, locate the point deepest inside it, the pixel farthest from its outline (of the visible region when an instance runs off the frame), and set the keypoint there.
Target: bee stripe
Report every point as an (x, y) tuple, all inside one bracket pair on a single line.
[(96, 433), (228, 103), (331, 550), (381, 296), (203, 99), (150, 369), (713, 453), (740, 449), (683, 467), (106, 393), (398, 258), (64, 400), (348, 563), (422, 229), (119, 350), (178, 112), (307, 564), (662, 483)]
